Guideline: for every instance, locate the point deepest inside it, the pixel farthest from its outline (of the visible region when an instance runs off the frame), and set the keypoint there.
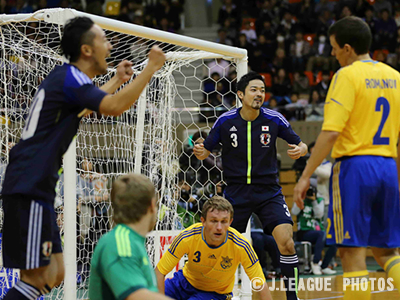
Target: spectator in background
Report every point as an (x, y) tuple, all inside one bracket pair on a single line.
[(268, 12), (320, 180), (324, 21), (281, 61), (324, 5), (315, 109), (222, 38), (166, 10), (306, 16), (273, 104), (346, 12), (263, 53), (311, 229), (385, 32), (379, 5), (21, 7), (250, 33), (287, 27), (269, 32), (301, 84), (231, 31), (370, 19), (299, 51), (323, 86), (228, 11), (165, 25), (281, 88), (397, 16), (243, 43), (94, 7), (219, 66), (320, 55)]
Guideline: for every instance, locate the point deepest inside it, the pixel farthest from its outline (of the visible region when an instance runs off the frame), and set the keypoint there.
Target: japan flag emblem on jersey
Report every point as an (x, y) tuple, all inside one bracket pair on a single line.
[(265, 138), (264, 128)]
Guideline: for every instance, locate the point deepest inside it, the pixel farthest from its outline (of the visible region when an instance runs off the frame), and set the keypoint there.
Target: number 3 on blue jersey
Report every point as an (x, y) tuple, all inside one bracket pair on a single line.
[(234, 140), (382, 102), (34, 114)]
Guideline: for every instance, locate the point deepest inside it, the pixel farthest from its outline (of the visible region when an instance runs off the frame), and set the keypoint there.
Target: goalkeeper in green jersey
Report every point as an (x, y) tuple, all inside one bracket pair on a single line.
[(120, 265)]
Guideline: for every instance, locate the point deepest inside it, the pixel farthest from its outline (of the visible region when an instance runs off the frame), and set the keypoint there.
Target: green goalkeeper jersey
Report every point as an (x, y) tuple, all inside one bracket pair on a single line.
[(120, 266)]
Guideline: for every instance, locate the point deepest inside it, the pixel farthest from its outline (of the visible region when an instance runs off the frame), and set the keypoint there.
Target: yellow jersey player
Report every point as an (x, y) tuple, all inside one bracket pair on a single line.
[(361, 124), (214, 250)]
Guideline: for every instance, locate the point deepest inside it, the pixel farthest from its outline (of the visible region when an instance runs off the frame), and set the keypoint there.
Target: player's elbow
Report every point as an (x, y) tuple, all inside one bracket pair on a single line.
[(332, 135), (109, 106)]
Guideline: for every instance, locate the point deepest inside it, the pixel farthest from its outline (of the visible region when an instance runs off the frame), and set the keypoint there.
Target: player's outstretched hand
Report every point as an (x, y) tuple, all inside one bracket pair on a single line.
[(295, 152), (300, 191), (156, 58), (124, 71)]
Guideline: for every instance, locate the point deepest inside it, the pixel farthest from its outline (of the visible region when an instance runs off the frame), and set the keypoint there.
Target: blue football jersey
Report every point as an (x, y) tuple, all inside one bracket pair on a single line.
[(249, 148), (49, 129)]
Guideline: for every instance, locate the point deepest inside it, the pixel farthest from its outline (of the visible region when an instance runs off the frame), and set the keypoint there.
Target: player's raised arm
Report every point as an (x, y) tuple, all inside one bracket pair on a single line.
[(200, 152), (123, 74), (115, 105)]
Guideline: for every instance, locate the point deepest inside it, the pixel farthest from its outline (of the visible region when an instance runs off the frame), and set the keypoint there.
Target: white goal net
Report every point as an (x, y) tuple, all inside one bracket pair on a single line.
[(154, 137)]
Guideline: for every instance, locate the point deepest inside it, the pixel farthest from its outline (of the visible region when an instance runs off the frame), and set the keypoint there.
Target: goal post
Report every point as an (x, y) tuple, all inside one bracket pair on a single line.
[(195, 86)]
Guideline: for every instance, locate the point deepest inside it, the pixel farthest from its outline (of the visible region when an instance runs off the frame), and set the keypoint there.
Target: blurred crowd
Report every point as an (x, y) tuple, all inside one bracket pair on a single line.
[(287, 43), (160, 14)]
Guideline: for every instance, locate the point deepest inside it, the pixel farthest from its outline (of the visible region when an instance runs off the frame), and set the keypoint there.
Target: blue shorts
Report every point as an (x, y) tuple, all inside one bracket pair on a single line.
[(364, 205), (180, 289), (30, 233), (266, 201)]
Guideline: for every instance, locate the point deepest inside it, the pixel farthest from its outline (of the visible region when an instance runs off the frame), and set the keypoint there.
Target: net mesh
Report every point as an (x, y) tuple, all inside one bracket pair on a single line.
[(183, 99)]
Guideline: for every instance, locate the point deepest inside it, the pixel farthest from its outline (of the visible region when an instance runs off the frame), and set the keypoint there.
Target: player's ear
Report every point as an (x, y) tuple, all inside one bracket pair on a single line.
[(86, 50), (153, 205), (202, 220), (230, 221), (240, 95)]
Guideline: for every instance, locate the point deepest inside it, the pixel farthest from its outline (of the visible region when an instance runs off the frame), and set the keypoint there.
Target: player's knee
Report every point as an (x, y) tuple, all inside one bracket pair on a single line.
[(382, 255), (287, 247)]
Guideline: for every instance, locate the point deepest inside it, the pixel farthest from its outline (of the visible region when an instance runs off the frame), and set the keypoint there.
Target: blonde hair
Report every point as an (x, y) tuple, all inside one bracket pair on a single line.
[(217, 203), (131, 197)]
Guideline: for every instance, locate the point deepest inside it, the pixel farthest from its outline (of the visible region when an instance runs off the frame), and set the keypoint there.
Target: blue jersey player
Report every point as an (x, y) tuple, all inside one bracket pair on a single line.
[(248, 136), (31, 241)]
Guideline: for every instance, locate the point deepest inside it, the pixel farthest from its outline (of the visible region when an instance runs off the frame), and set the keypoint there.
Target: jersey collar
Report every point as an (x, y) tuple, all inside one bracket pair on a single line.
[(202, 236)]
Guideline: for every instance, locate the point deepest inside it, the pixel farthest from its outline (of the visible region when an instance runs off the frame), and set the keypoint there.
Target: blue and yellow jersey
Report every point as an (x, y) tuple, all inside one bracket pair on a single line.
[(363, 105), (211, 269)]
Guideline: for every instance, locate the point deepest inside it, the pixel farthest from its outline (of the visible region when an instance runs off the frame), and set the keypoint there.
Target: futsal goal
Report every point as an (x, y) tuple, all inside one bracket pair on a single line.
[(154, 137)]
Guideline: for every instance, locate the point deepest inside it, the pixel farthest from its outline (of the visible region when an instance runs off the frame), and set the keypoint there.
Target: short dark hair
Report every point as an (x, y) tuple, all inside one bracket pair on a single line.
[(76, 33), (244, 81), (353, 31)]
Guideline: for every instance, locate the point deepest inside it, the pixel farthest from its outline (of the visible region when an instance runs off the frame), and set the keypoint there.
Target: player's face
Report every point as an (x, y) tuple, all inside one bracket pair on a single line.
[(341, 54), (254, 94), (101, 50), (215, 227)]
